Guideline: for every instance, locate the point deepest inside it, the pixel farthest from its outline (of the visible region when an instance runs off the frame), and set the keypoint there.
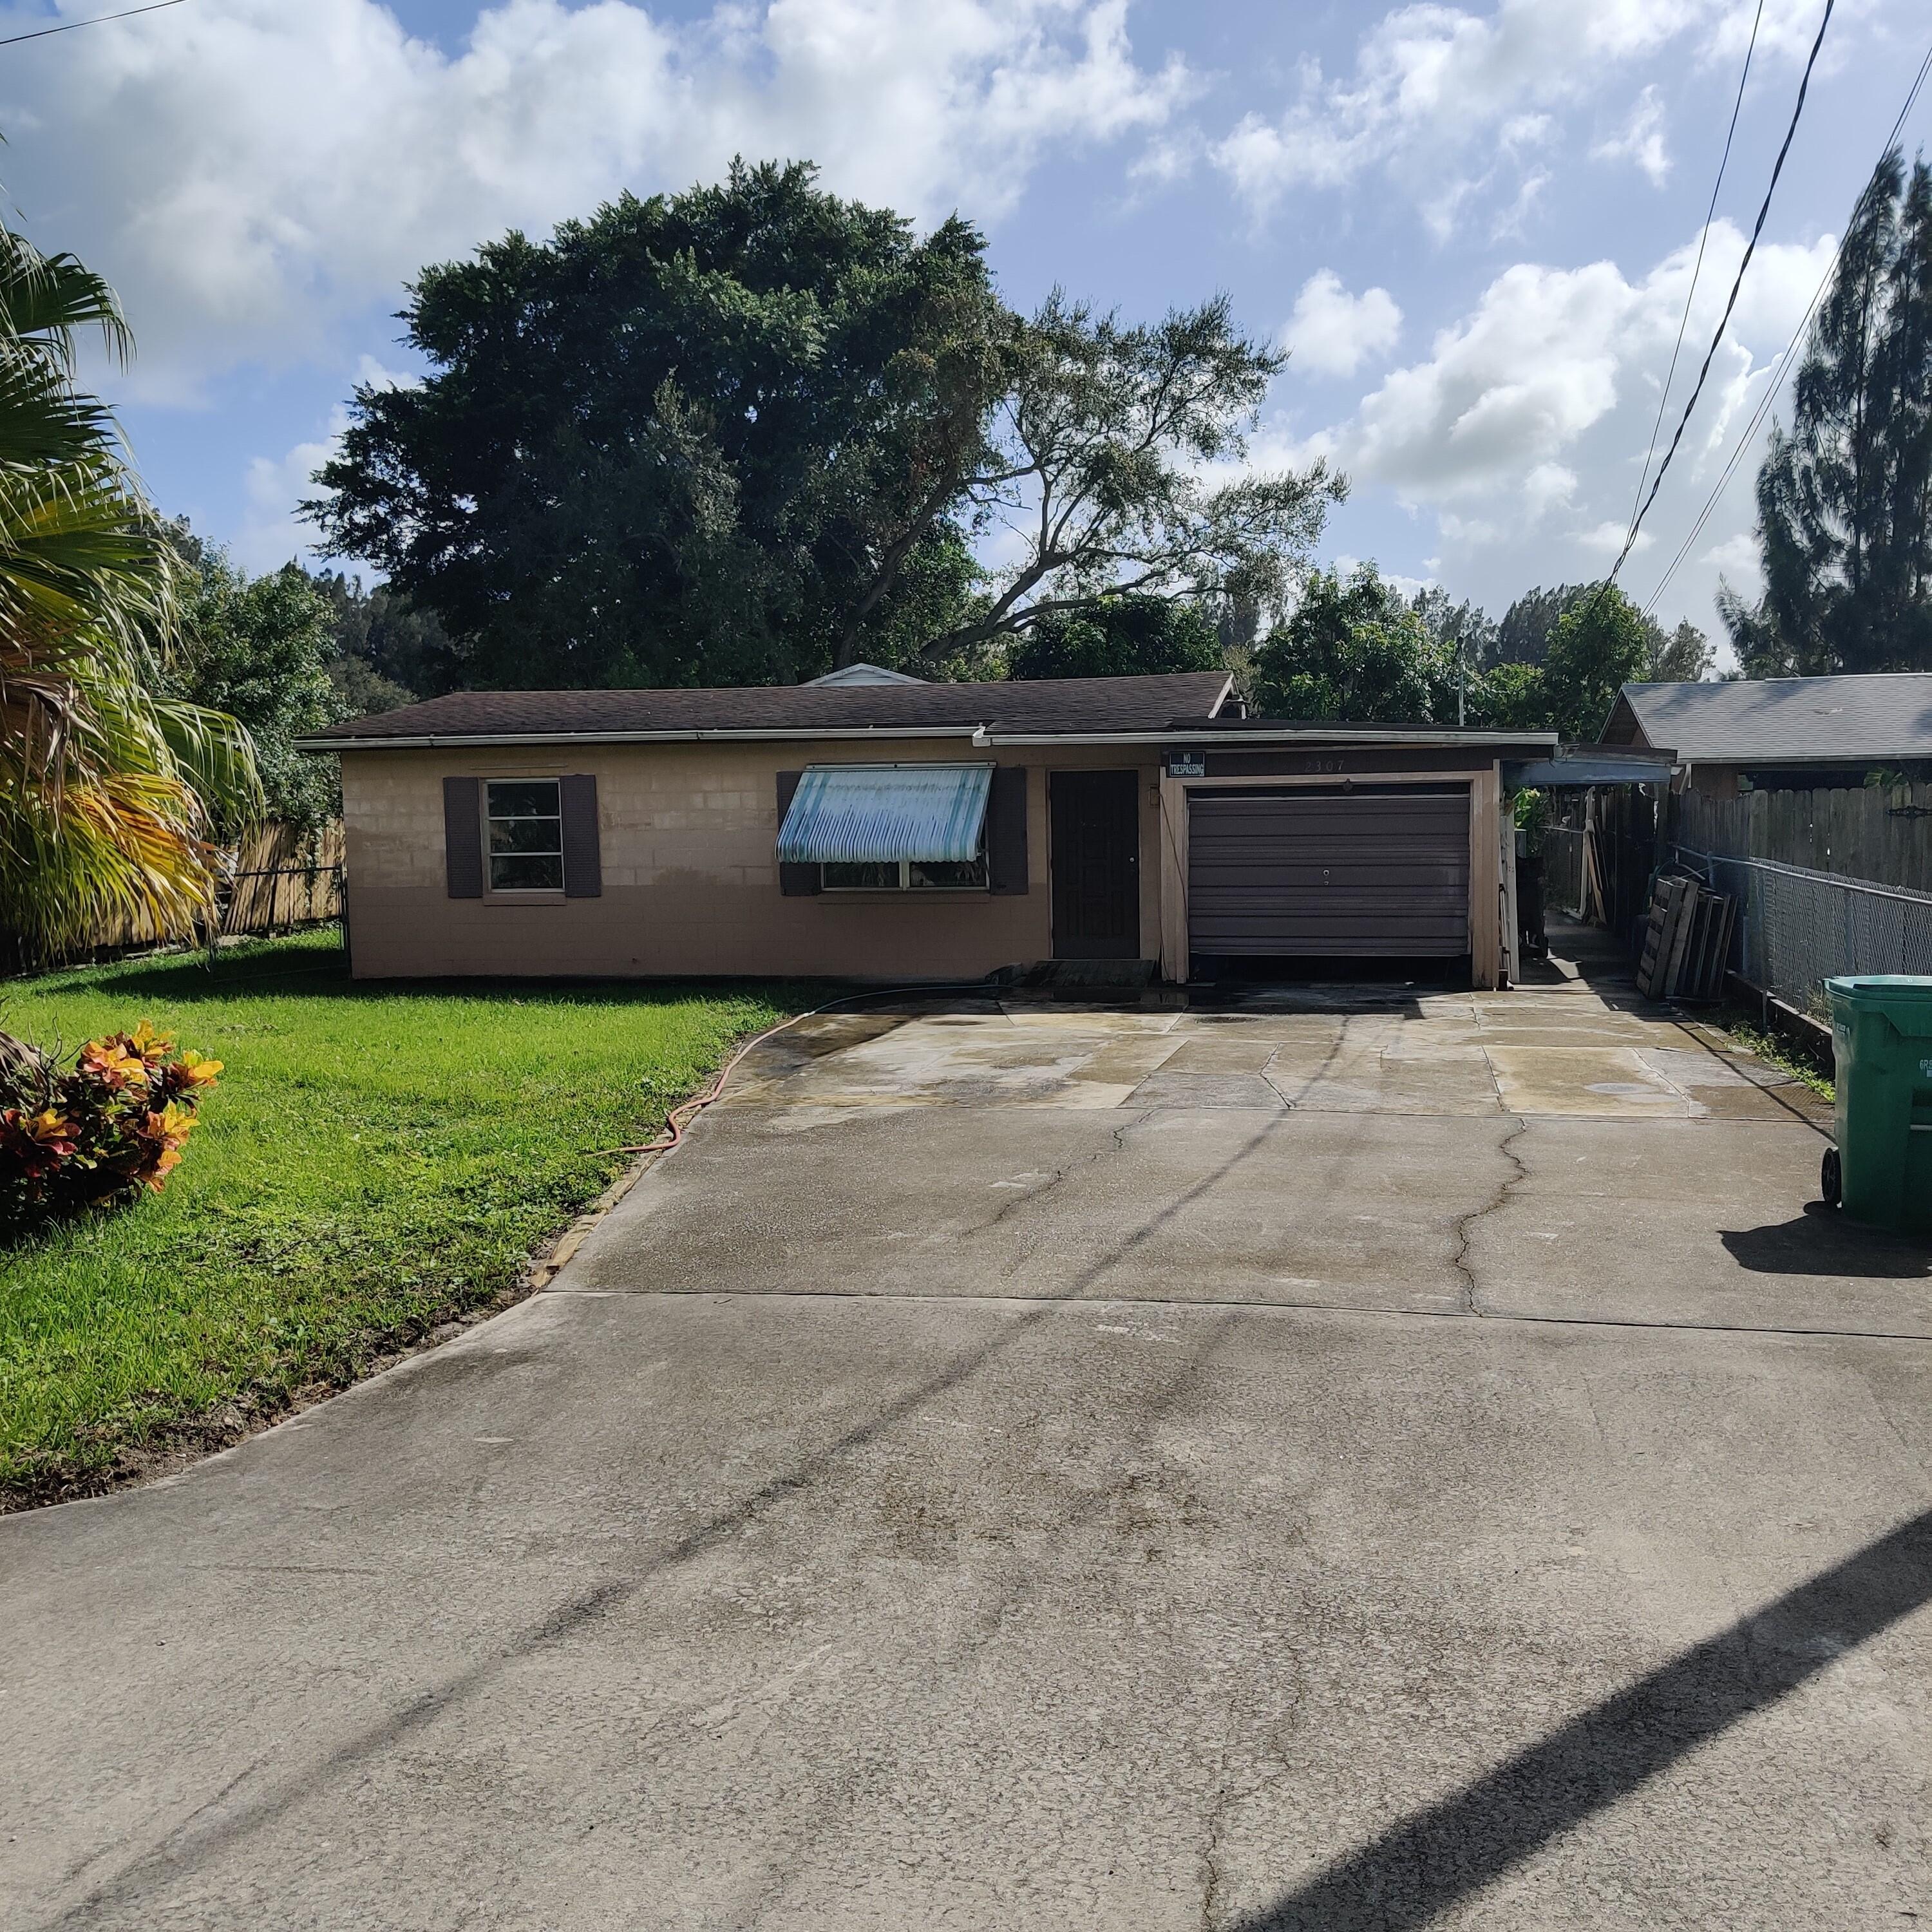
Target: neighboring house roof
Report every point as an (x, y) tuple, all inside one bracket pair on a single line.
[(864, 674), (1075, 706), (1862, 719)]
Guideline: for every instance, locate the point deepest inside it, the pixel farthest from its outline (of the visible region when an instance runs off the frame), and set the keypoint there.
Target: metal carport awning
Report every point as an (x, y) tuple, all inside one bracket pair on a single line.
[(867, 815), (1592, 765)]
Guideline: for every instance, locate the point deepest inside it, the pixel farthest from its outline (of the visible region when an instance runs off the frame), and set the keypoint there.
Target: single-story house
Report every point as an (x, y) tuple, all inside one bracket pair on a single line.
[(883, 828), (1782, 733)]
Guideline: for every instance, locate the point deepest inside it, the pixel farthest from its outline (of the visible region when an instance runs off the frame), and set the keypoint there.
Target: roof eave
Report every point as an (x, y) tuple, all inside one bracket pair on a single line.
[(1797, 761), (1224, 740), (447, 741), (981, 734)]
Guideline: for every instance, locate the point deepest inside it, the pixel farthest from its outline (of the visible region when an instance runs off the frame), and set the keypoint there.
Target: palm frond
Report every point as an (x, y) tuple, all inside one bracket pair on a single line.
[(112, 795), (51, 299)]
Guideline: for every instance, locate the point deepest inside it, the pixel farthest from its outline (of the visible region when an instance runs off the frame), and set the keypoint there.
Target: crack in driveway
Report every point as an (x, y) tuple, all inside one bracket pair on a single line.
[(1466, 1223)]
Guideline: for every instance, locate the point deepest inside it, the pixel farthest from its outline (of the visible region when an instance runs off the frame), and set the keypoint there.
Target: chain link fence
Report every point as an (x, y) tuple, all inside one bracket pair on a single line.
[(1796, 928), (1563, 869)]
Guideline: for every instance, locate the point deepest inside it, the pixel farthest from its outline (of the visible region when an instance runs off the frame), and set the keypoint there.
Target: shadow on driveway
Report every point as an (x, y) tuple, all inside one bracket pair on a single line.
[(1821, 1241), (1436, 1858)]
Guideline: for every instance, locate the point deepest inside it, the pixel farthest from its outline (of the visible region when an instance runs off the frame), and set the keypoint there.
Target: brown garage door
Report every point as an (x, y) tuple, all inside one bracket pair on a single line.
[(1369, 872)]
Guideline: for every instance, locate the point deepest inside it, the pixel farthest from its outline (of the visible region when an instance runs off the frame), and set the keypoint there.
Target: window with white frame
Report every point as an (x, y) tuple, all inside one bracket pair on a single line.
[(902, 875), (524, 834)]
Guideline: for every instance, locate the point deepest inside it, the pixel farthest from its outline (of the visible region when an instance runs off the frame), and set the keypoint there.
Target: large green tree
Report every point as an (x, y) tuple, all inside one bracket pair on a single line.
[(1354, 648), (1844, 496), (1599, 644), (1119, 636), (261, 650), (750, 432), (386, 651), (1097, 469), (1683, 657), (1461, 630), (1522, 637), (675, 443), (1531, 625)]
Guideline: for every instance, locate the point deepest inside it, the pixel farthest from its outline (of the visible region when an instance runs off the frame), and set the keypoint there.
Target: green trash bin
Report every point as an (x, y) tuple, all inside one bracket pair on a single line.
[(1881, 1170)]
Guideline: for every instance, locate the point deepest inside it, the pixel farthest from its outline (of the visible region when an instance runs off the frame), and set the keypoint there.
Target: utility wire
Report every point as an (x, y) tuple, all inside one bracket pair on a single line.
[(99, 19), (1703, 241), (1724, 321), (1783, 361)]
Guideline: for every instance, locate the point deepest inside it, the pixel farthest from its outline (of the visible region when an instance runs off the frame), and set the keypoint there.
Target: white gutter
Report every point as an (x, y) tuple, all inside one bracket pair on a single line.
[(1210, 737), (442, 741), (1221, 739)]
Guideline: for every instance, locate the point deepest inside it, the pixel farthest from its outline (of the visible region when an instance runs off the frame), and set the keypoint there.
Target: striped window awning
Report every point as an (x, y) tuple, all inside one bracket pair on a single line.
[(860, 814)]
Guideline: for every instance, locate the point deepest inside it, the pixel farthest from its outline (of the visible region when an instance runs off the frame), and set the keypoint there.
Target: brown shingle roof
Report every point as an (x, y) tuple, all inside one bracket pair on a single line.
[(1074, 705)]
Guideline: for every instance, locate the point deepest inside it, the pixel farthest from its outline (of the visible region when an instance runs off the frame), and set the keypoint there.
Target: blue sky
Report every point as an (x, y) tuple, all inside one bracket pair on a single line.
[(1473, 225)]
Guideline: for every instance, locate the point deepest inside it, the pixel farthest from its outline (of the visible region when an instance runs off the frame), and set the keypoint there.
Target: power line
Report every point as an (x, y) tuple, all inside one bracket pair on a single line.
[(1724, 321), (1697, 269), (99, 19), (1783, 361)]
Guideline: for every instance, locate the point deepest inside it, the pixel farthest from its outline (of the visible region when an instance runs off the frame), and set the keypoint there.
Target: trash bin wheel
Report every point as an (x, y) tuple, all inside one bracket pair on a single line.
[(1831, 1178)]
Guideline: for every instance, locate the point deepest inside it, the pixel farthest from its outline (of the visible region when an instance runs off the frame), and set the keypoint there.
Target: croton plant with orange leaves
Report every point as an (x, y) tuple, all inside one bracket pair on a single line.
[(97, 1130)]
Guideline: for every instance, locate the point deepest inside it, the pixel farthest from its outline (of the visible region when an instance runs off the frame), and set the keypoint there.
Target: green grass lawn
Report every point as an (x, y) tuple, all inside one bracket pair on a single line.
[(376, 1159)]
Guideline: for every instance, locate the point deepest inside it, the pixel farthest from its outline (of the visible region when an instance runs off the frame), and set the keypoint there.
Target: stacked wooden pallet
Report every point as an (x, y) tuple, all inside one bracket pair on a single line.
[(1686, 941)]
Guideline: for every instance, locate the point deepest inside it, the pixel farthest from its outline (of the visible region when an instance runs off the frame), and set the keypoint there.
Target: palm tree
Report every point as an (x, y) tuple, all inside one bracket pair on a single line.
[(111, 794)]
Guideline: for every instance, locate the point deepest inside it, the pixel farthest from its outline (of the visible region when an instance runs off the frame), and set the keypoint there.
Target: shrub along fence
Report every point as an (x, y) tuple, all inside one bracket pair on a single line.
[(1827, 882)]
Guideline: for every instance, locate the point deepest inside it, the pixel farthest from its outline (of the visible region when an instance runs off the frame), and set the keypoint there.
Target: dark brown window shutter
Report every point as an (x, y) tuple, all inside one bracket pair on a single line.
[(1006, 829), (463, 838), (583, 866), (795, 882)]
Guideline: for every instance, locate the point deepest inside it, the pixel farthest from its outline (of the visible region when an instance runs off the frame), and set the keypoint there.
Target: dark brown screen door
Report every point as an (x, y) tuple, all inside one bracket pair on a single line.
[(1096, 888)]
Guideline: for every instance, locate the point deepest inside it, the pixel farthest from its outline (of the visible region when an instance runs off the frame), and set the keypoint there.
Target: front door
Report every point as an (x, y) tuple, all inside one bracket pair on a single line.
[(1096, 861)]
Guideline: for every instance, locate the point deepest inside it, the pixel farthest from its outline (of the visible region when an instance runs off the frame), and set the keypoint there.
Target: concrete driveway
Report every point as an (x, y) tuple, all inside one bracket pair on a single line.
[(1354, 1461)]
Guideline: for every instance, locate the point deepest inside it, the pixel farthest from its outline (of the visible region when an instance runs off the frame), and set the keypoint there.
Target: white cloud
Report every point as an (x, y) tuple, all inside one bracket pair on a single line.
[(1408, 586), (247, 171), (1736, 556), (1606, 539), (1504, 392), (1547, 486), (1346, 563), (1500, 405), (1641, 140), (1434, 85), (1333, 332), (270, 532), (1451, 104)]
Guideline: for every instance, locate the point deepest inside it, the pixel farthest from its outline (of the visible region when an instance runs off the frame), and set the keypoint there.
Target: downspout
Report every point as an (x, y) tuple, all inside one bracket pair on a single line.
[(1506, 964)]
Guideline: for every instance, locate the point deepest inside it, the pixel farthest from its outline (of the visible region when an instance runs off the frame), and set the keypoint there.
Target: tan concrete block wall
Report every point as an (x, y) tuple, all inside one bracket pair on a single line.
[(690, 875)]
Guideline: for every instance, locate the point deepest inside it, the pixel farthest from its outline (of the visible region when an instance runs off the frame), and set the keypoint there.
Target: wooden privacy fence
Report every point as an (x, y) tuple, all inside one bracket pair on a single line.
[(1881, 835), (1829, 882), (279, 877), (284, 878)]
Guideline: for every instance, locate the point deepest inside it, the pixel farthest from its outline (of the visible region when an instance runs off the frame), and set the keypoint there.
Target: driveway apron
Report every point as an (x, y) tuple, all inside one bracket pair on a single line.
[(1356, 1459)]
